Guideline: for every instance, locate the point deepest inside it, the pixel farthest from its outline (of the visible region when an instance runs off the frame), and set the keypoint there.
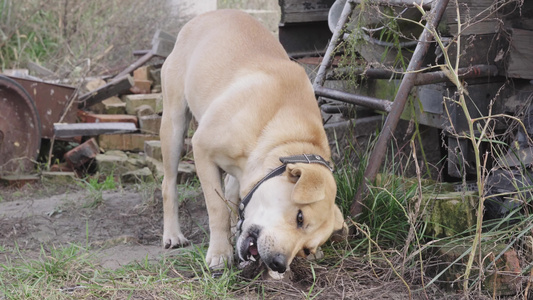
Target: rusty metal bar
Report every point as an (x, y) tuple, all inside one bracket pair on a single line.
[(424, 4), (476, 71), (330, 51), (370, 102), (376, 158)]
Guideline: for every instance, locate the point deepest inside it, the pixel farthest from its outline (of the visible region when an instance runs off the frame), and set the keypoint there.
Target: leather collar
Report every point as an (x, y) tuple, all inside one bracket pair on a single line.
[(304, 158)]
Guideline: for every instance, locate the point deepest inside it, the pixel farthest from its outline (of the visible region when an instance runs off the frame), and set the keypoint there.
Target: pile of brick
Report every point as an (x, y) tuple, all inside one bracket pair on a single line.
[(134, 155)]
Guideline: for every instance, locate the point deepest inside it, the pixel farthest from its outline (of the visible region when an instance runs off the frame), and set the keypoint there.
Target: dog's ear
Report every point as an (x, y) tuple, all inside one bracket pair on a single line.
[(340, 228), (310, 182)]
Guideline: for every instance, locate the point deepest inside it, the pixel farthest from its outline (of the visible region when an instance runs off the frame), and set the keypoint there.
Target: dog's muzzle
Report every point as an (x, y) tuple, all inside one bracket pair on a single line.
[(304, 158)]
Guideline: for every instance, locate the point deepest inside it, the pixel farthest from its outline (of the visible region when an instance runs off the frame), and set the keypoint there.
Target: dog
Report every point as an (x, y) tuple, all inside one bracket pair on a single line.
[(259, 122)]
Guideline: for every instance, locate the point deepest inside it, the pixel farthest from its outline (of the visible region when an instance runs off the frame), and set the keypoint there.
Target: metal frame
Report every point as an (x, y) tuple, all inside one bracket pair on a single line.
[(410, 79)]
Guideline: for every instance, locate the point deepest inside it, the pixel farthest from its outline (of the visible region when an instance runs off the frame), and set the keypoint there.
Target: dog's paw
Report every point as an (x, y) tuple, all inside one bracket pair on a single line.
[(220, 257), (177, 240)]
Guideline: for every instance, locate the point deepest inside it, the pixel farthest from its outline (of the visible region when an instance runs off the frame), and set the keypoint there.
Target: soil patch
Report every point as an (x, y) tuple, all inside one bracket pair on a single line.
[(122, 226)]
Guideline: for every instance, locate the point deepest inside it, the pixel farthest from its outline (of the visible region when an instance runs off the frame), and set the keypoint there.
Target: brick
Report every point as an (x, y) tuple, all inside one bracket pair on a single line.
[(141, 86), (126, 142), (153, 149), (144, 110), (112, 162), (95, 84), (134, 101), (114, 105), (138, 176), (150, 124), (58, 178), (142, 73), (82, 154), (110, 118)]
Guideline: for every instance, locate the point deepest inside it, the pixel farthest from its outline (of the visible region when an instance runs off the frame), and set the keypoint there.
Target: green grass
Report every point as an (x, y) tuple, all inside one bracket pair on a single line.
[(95, 186), (69, 272)]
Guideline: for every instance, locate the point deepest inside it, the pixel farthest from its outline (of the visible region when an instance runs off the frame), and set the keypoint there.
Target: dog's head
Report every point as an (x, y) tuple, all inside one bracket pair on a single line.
[(290, 215)]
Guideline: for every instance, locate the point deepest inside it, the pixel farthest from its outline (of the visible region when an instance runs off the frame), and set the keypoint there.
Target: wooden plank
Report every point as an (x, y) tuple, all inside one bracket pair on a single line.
[(113, 88), (162, 47), (520, 55), (91, 129), (475, 15), (297, 11), (40, 70), (162, 35)]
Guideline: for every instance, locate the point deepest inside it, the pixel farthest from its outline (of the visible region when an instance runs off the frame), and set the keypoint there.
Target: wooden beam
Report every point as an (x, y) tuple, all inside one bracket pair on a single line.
[(91, 129), (113, 88)]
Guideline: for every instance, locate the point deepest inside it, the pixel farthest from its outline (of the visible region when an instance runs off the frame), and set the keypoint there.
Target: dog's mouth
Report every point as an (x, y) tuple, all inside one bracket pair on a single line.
[(251, 252), (249, 249)]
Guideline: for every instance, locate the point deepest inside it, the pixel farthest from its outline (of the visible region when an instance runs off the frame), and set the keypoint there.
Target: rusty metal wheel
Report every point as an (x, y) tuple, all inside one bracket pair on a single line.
[(20, 128)]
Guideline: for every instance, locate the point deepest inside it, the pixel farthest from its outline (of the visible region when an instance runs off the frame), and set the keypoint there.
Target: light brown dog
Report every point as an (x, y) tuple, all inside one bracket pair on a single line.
[(253, 106)]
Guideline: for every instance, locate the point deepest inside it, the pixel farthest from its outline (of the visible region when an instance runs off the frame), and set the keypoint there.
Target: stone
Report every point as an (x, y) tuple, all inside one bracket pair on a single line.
[(156, 166), (126, 142), (19, 181), (136, 100), (153, 149), (450, 213), (155, 75), (95, 84), (150, 124), (114, 106), (186, 172), (159, 105), (135, 161), (138, 176), (112, 162), (144, 110), (58, 178), (61, 167)]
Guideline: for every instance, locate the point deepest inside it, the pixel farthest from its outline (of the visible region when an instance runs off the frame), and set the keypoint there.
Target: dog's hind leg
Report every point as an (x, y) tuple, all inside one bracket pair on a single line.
[(231, 193), (176, 117)]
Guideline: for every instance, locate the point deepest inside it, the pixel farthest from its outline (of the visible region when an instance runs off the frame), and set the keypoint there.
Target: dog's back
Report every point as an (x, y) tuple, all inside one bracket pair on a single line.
[(209, 37)]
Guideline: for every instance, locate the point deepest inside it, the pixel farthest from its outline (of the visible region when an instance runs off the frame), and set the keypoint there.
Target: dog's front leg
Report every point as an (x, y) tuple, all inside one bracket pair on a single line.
[(220, 251)]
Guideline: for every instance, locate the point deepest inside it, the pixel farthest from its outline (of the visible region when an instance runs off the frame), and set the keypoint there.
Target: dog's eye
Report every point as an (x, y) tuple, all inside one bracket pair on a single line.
[(300, 219)]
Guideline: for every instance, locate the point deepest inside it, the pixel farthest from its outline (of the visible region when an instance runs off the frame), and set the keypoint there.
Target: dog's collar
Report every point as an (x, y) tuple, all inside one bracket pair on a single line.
[(304, 158)]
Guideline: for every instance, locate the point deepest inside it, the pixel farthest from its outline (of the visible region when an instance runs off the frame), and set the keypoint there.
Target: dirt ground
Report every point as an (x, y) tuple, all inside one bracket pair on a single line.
[(126, 226)]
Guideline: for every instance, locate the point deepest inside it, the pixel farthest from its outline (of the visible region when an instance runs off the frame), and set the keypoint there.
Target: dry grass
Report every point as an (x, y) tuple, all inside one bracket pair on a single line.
[(75, 38)]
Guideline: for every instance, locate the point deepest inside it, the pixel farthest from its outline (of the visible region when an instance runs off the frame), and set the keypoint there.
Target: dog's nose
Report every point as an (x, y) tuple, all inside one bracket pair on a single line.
[(279, 263)]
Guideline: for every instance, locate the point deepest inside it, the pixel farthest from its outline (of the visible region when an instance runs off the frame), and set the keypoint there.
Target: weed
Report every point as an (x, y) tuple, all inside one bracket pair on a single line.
[(95, 187)]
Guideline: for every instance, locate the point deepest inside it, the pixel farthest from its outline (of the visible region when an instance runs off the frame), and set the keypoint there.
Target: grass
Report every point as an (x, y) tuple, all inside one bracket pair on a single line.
[(95, 186), (70, 272), (77, 38)]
